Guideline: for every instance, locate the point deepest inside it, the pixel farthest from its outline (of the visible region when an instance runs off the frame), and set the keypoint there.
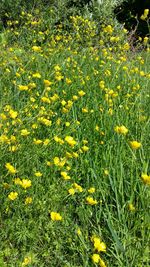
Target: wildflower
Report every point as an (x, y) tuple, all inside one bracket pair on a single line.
[(85, 148), (55, 216), (4, 139), (13, 114), (36, 48), (45, 100), (78, 187), (91, 201), (32, 85), (75, 97), (84, 110), (75, 155), (145, 40), (45, 121), (121, 129), (28, 200), (13, 195), (65, 175), (81, 93), (126, 46), (46, 142), (102, 263), (145, 178), (38, 174), (23, 87), (25, 183), (95, 258), (145, 15), (58, 140), (24, 132), (79, 231), (98, 244), (67, 124), (71, 191), (68, 81), (26, 261), (10, 168), (47, 83), (91, 190), (37, 141), (70, 141), (36, 75), (17, 181), (135, 144), (108, 29), (131, 207)]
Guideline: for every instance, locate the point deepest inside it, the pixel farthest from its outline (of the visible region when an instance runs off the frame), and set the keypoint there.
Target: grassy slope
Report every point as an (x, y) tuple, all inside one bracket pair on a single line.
[(110, 165)]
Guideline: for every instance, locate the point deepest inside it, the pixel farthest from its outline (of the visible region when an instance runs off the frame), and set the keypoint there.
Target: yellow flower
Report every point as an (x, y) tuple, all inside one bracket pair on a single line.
[(10, 168), (26, 261), (98, 244), (58, 140), (36, 48), (75, 97), (126, 46), (13, 114), (108, 29), (79, 231), (68, 81), (131, 207), (45, 100), (135, 144), (65, 175), (81, 93), (84, 110), (78, 187), (36, 75), (91, 201), (17, 181), (47, 83), (28, 200), (102, 263), (4, 139), (91, 190), (70, 141), (67, 124), (95, 258), (23, 87), (121, 129), (37, 141), (46, 142), (106, 172), (38, 174), (85, 148), (24, 132), (145, 15), (25, 183), (145, 178), (13, 195), (71, 191), (55, 216), (45, 121)]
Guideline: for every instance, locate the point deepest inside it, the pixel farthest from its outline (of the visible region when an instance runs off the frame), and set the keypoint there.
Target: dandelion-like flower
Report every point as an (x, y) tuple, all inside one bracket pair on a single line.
[(135, 144), (55, 216)]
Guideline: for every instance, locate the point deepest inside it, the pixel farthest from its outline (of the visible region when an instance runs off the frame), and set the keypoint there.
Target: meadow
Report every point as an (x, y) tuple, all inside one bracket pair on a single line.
[(74, 146)]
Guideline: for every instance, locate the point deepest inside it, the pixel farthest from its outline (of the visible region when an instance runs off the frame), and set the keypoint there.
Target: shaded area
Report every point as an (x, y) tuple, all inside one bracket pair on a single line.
[(130, 12)]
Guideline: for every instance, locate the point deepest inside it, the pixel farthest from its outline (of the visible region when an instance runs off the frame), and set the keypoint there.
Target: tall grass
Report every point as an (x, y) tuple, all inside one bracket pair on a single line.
[(74, 140)]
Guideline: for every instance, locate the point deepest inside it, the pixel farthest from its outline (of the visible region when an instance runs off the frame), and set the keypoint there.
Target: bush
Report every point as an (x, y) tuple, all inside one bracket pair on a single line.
[(130, 13)]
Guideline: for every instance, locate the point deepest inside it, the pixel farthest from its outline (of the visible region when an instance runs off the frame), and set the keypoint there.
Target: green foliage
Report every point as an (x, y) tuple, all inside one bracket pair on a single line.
[(72, 100)]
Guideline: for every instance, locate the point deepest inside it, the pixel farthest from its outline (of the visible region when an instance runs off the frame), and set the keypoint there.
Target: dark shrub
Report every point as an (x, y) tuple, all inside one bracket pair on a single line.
[(129, 12)]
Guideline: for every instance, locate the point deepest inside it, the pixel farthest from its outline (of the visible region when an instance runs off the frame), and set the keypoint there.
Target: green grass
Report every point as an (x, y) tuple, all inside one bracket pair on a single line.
[(109, 165)]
